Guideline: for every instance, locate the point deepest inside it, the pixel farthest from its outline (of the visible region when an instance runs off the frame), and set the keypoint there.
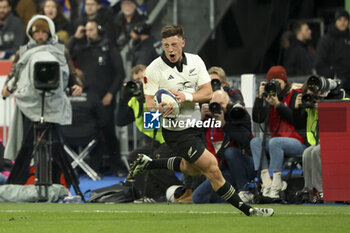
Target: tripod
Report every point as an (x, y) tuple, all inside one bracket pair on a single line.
[(45, 136)]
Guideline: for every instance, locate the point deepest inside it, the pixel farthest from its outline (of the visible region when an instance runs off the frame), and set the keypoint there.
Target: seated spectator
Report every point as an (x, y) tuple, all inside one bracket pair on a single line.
[(275, 108), (298, 58), (54, 11), (11, 31), (145, 48), (125, 20), (306, 119), (103, 15)]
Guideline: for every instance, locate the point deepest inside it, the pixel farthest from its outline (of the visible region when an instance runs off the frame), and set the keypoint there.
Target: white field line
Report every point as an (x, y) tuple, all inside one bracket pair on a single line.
[(167, 212)]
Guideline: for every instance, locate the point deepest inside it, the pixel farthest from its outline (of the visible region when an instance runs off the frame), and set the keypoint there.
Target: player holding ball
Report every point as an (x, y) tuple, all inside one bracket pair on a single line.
[(186, 76)]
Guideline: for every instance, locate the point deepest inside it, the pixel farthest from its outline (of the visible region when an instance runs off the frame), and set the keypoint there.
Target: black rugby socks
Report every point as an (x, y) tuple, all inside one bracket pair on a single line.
[(172, 163), (228, 193)]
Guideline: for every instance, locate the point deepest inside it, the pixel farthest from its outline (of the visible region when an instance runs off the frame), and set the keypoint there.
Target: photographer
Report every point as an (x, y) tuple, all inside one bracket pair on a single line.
[(130, 108), (306, 120), (42, 47), (230, 145), (274, 106)]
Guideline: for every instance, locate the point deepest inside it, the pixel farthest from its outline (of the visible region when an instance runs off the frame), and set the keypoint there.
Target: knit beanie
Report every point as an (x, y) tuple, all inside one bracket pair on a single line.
[(277, 72), (41, 24)]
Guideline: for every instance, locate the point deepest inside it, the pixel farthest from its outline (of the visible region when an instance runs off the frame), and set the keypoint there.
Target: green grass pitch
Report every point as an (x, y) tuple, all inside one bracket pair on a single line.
[(164, 218)]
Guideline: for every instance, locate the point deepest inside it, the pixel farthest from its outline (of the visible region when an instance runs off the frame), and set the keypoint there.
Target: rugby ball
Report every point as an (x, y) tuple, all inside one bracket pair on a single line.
[(167, 97)]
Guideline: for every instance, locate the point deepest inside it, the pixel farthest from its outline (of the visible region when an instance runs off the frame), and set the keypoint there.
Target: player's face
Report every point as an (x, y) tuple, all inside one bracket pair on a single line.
[(173, 48)]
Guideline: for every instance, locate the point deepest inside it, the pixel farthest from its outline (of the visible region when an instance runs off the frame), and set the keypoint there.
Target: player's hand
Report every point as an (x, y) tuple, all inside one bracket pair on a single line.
[(107, 99), (205, 111), (77, 90), (180, 97), (262, 89), (298, 101), (273, 100), (5, 92), (166, 109)]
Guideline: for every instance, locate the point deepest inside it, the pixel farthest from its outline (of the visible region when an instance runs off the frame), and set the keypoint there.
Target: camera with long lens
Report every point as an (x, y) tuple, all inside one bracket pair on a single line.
[(215, 84), (321, 84), (272, 88), (309, 101), (46, 75), (235, 111), (134, 88)]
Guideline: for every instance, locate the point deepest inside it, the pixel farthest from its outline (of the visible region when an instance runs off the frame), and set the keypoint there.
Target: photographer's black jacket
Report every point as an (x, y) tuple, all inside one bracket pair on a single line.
[(125, 114), (238, 131), (101, 64)]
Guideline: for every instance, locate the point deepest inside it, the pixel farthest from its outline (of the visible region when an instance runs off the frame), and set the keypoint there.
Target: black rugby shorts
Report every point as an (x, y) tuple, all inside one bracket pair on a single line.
[(188, 143)]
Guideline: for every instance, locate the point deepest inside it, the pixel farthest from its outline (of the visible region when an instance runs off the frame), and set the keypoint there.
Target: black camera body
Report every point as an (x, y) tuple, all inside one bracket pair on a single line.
[(235, 111), (46, 75), (272, 88), (134, 88), (215, 84), (309, 100), (215, 108)]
